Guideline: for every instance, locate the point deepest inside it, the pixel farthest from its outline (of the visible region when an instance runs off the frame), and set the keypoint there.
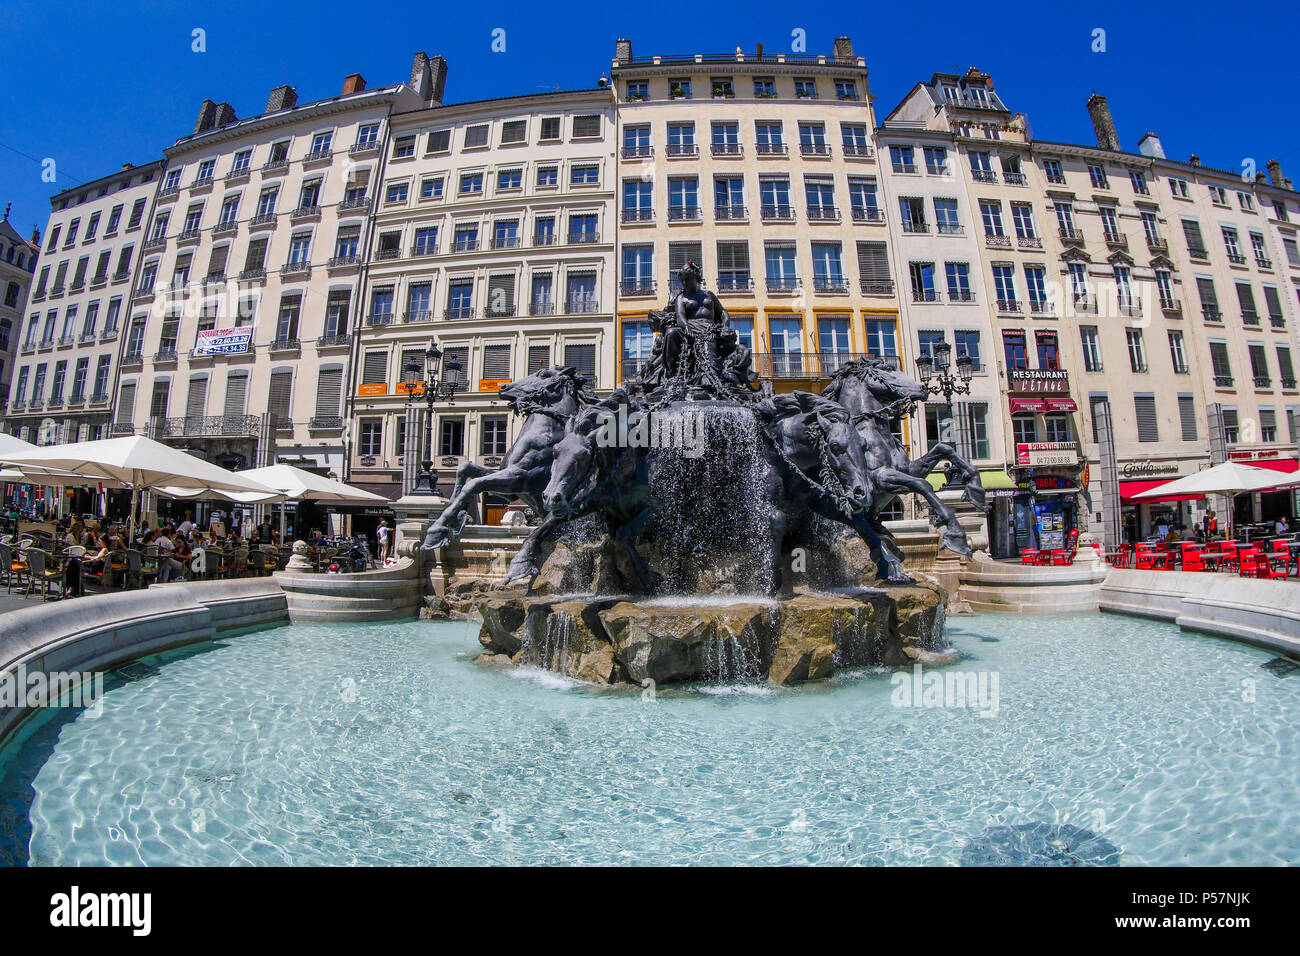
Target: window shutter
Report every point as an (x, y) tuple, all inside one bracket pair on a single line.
[(125, 403), (1245, 297), (461, 354), (329, 388), (158, 401), (496, 361), (1219, 359), (1187, 412), (1145, 407), (586, 125), (501, 295), (539, 357), (375, 369), (1267, 419), (217, 264), (733, 256), (680, 253), (1192, 230), (583, 358), (236, 394), (873, 265), (281, 398), (1205, 287), (1273, 302), (197, 397)]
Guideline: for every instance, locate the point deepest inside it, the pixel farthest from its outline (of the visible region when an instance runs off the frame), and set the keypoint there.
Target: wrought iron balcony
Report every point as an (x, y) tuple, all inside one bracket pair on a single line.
[(1056, 179), (325, 422), (1197, 252), (506, 242), (1264, 262), (582, 305), (169, 192), (831, 285), (997, 242), (376, 319), (1029, 242), (225, 228), (926, 295), (164, 355), (984, 176), (1249, 317), (1008, 305), (1236, 258), (876, 287), (252, 275), (637, 215), (910, 169), (262, 219), (202, 182), (465, 245), (132, 360), (343, 262), (318, 156), (950, 229), (274, 166), (859, 150), (684, 213), (807, 365), (784, 285), (637, 152), (541, 307), (735, 283), (388, 252), (1116, 240), (1263, 381), (1276, 321), (868, 214), (1015, 179), (814, 149), (299, 268), (583, 238), (730, 212), (637, 287), (915, 227), (771, 149), (153, 242), (286, 346), (823, 214), (357, 204), (732, 150), (1157, 245), (779, 213), (362, 149), (1171, 306), (303, 213), (333, 341), (215, 426), (676, 150), (417, 315), (456, 312), (1211, 315)]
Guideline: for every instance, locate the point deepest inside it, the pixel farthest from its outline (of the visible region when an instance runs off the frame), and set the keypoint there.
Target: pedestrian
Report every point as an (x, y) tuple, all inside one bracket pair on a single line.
[(382, 534)]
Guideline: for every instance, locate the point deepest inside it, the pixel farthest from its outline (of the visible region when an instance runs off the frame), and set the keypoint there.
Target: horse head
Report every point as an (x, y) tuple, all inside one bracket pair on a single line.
[(888, 386), (547, 388), (844, 453)]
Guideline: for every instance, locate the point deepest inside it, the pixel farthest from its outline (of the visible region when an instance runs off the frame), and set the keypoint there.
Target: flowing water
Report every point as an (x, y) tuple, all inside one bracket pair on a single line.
[(1094, 738)]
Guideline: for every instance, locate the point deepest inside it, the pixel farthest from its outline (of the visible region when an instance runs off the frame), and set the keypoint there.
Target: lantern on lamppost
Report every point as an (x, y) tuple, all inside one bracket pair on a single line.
[(429, 382)]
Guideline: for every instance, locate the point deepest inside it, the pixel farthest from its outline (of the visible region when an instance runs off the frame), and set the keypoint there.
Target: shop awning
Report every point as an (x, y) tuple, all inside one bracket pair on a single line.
[(1019, 405), (1286, 465), (1061, 405), (1070, 489), (1127, 489), (990, 478)]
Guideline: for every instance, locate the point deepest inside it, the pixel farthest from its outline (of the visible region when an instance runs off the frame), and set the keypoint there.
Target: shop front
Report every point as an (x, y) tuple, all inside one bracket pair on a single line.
[(1049, 479), (1268, 506), (1154, 518)]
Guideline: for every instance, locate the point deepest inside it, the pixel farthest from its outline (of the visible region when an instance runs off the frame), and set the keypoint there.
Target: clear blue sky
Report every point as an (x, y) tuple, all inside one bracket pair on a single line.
[(93, 85)]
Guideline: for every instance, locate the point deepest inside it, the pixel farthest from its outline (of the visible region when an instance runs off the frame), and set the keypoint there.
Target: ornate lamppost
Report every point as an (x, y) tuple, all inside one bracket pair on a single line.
[(937, 377), (426, 382)]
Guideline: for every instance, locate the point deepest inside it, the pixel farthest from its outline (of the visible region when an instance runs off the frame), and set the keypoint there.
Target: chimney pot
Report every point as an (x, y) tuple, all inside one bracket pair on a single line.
[(1194, 160), (1149, 145), (353, 83), (36, 236), (225, 115), (1274, 172), (207, 116), (1102, 123), (1261, 179), (623, 50), (282, 98)]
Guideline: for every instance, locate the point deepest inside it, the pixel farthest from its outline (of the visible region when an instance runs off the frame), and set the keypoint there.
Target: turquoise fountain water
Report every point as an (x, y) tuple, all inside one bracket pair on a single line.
[(385, 744)]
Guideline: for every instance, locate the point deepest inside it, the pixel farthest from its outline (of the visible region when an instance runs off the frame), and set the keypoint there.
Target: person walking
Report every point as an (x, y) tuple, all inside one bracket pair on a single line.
[(383, 535)]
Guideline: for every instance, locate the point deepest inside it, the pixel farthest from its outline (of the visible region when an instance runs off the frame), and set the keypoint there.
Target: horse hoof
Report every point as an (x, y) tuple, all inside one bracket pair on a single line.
[(955, 541)]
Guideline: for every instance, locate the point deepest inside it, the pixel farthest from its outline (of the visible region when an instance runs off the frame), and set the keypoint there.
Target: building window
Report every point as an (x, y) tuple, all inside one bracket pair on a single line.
[(451, 436), (1177, 354), (371, 443), (1147, 424), (1091, 348), (1137, 355)]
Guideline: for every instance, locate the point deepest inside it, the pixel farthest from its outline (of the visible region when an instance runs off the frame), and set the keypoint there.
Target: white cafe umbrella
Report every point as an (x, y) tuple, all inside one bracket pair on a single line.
[(137, 462), (1230, 478), (303, 485)]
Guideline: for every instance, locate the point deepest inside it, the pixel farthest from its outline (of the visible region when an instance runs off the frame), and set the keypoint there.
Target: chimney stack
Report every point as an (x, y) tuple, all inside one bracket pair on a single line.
[(623, 51), (1260, 179), (8, 206), (36, 237), (1149, 145), (282, 98), (1193, 160), (843, 49), (126, 166), (225, 115), (1107, 138), (207, 116), (1275, 173), (353, 83), (429, 77)]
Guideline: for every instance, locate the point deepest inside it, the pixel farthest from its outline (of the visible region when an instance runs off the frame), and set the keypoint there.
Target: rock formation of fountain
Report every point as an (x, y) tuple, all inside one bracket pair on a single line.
[(694, 528)]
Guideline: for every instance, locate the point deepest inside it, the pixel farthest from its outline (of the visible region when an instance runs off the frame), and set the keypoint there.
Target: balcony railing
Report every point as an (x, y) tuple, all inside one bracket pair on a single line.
[(582, 305), (637, 215), (343, 262), (808, 365), (681, 149), (861, 150), (226, 227), (1236, 258), (831, 285), (541, 307), (379, 318), (465, 245), (950, 228), (1056, 179), (501, 242), (1069, 234), (153, 242), (286, 346), (361, 149), (637, 287), (915, 227), (202, 182), (214, 426), (814, 149), (1015, 179), (1171, 306), (876, 287), (318, 156), (727, 149), (785, 285), (1263, 381), (390, 252), (926, 295), (333, 341), (1008, 305), (1116, 240), (1157, 245), (868, 214), (583, 238), (637, 152), (356, 204), (823, 214), (771, 149), (1029, 242), (683, 214), (735, 283), (302, 267), (1264, 262), (325, 422), (305, 212), (997, 242), (252, 275), (1277, 321), (274, 166), (984, 176), (459, 312), (1249, 317), (778, 213), (1212, 315), (733, 212), (262, 219)]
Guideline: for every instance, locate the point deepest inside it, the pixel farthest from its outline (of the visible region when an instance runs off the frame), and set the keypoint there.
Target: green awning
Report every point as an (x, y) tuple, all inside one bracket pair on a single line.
[(990, 478)]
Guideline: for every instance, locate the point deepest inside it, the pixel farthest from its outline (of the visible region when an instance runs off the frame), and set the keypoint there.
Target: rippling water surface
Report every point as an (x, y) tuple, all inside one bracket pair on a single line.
[(386, 744)]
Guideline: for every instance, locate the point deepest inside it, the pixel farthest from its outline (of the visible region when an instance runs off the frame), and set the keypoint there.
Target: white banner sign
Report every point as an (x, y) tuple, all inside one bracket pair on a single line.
[(224, 341)]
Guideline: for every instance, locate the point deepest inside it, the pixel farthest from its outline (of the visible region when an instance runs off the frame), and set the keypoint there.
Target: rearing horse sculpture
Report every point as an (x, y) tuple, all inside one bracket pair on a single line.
[(550, 398), (875, 393)]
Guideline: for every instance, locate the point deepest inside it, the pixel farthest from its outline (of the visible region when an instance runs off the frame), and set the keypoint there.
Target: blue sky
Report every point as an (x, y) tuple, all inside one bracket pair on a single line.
[(95, 84)]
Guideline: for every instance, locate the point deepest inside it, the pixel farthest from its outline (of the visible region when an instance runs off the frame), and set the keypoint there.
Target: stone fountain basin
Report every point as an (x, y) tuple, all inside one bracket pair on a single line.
[(807, 636)]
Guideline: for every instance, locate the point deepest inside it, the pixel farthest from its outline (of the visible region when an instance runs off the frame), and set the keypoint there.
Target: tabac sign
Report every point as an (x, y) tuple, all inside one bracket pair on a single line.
[(1038, 381), (224, 341)]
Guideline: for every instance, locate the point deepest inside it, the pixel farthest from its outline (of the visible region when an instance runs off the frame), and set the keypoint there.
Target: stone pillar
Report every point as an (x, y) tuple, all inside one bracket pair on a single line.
[(414, 515)]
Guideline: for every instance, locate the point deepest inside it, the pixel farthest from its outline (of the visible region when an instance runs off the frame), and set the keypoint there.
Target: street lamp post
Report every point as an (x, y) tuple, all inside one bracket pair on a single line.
[(937, 378), (425, 381)]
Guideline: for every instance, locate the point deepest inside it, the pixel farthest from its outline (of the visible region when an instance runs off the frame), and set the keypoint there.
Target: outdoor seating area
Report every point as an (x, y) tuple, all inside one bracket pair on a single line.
[(1278, 557)]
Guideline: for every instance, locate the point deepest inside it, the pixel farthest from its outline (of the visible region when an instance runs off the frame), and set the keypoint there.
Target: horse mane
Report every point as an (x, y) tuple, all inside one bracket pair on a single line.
[(860, 369)]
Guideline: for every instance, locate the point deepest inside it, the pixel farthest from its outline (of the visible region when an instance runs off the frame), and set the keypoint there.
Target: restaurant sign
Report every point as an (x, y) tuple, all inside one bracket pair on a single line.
[(1142, 469), (224, 341), (1038, 381), (1047, 453)]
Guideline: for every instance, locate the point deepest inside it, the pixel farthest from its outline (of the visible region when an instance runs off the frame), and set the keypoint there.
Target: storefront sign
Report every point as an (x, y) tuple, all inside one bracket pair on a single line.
[(373, 388), (451, 461), (1047, 453), (1250, 455), (1140, 469), (223, 341), (492, 384), (1038, 381)]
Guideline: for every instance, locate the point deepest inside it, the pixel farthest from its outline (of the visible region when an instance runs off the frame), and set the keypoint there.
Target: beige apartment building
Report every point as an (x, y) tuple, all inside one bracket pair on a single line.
[(944, 289), (240, 324), (17, 265), (77, 309), (493, 236), (760, 168)]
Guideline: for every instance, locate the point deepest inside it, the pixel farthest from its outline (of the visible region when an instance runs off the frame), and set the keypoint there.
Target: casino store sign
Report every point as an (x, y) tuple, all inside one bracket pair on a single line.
[(1148, 469)]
